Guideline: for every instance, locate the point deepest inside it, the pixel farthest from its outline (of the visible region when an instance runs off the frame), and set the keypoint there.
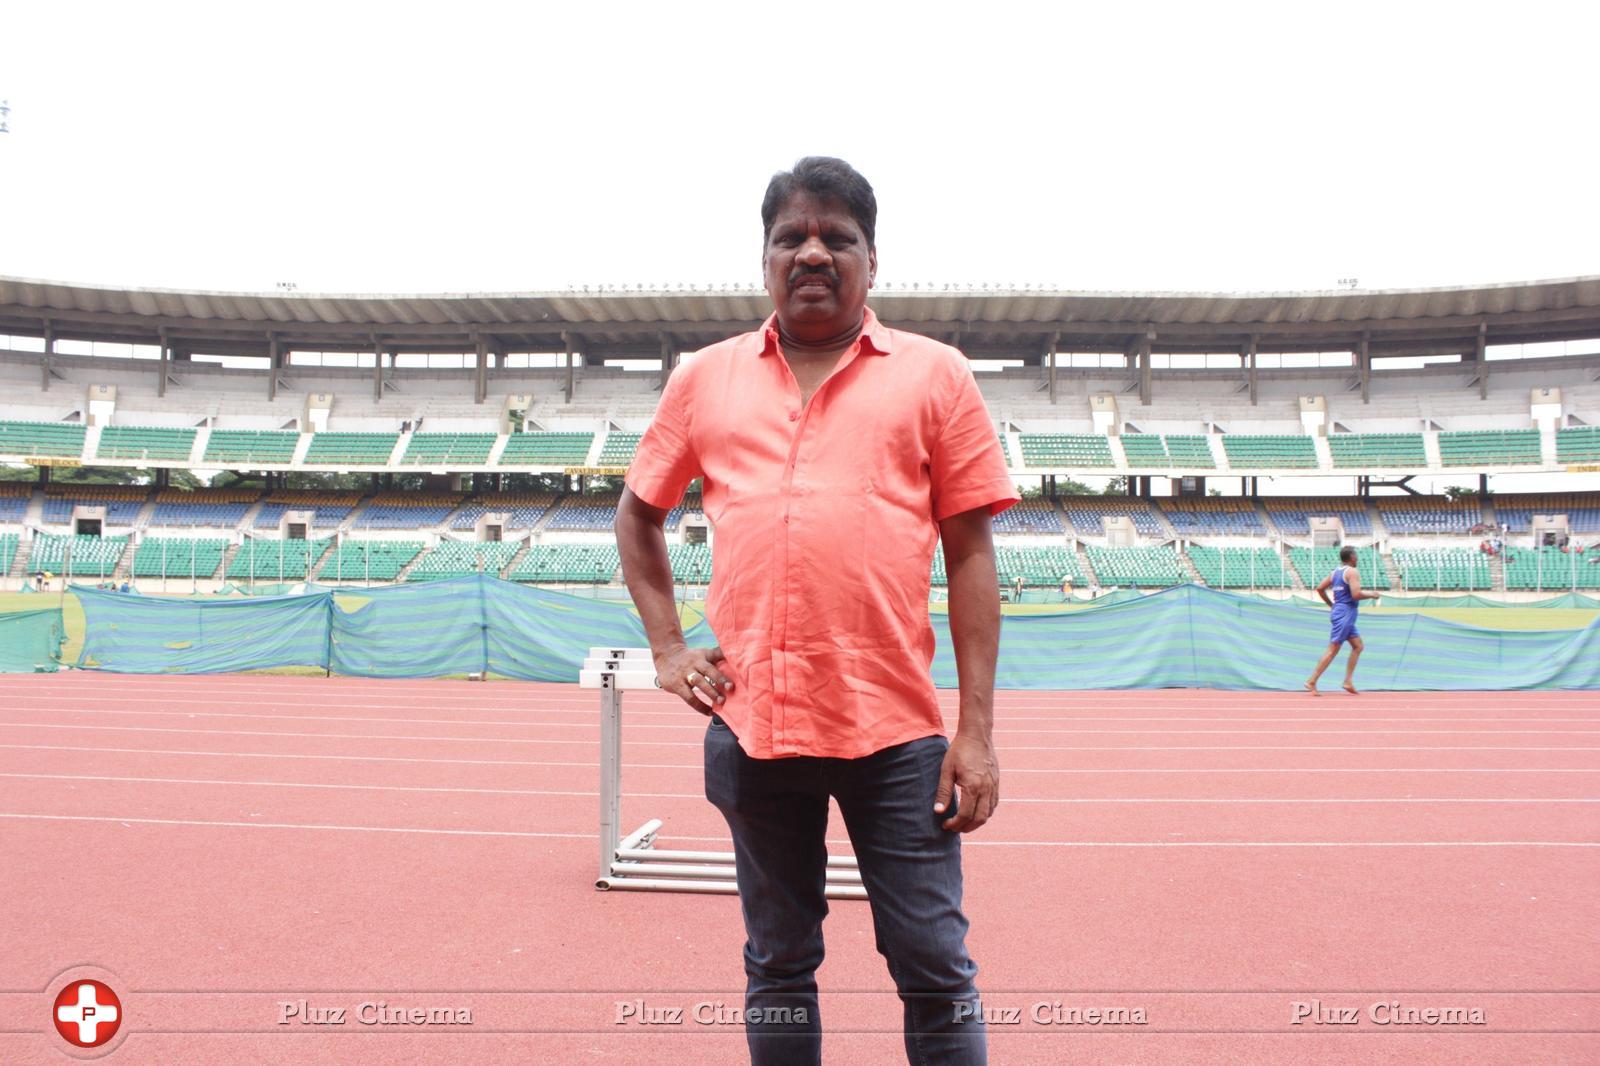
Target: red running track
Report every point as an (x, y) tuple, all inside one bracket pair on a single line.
[(1200, 867)]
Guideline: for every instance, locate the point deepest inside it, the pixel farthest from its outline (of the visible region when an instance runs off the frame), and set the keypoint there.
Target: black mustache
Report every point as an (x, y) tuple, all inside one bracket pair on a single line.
[(830, 275)]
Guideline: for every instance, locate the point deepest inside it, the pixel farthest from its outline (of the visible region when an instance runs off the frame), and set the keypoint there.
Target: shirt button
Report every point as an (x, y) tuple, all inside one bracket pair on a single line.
[(794, 416)]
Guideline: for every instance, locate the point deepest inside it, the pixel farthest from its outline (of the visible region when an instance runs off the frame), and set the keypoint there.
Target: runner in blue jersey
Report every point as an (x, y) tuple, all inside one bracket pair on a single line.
[(1345, 583)]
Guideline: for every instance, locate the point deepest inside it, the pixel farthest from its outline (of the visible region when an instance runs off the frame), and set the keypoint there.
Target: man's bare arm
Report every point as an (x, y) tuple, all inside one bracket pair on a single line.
[(971, 765), (642, 546), (1322, 590), (1353, 579)]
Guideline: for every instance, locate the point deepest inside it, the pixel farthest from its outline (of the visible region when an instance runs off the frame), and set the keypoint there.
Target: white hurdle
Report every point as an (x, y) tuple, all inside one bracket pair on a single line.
[(633, 862)]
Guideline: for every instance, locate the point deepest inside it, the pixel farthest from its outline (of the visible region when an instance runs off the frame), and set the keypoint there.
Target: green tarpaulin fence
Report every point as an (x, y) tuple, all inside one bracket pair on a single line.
[(30, 641), (1186, 636)]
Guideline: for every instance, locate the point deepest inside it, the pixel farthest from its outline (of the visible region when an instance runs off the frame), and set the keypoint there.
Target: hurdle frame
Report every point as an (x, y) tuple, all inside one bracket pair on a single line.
[(633, 862)]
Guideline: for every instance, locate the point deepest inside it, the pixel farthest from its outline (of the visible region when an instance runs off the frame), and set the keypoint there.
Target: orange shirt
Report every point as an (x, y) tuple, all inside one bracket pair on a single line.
[(824, 522)]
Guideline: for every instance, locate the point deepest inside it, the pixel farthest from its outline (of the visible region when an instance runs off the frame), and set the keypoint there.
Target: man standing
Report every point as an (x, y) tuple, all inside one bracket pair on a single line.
[(836, 453), (1345, 584)]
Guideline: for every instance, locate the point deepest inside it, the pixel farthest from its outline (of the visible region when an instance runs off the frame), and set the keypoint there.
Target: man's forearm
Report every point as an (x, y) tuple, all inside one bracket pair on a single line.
[(642, 547), (975, 633)]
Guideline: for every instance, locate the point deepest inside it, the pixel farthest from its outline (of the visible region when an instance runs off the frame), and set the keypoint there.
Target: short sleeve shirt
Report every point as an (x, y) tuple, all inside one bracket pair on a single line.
[(825, 519)]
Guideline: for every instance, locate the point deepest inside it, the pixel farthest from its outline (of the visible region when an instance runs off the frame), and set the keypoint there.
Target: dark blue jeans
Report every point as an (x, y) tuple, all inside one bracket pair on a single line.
[(778, 812)]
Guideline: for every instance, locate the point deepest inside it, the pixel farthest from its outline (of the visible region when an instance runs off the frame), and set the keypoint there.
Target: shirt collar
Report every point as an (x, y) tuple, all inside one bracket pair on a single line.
[(877, 339)]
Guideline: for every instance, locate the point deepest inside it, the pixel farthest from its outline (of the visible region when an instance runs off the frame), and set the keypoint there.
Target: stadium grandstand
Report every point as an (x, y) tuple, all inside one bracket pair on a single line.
[(411, 439)]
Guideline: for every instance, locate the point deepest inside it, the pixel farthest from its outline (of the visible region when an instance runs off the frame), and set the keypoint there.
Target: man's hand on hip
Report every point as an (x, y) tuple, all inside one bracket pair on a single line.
[(971, 767), (693, 676)]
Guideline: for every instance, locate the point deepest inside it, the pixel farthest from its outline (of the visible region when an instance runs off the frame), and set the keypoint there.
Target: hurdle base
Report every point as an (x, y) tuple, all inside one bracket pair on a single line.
[(639, 866)]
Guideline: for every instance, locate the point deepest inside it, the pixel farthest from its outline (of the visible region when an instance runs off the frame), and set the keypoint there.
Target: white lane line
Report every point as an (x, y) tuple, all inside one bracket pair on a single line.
[(53, 703), (648, 703), (354, 787), (700, 766), (697, 744), (965, 843), (700, 725), (353, 758), (700, 796), (286, 825)]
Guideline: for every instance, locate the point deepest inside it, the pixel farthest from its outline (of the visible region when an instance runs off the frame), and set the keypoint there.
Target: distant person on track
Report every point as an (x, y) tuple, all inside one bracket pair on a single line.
[(1345, 584), (836, 454)]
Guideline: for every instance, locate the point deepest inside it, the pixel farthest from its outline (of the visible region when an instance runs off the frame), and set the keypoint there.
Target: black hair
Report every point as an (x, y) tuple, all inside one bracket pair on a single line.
[(825, 178), (1347, 555)]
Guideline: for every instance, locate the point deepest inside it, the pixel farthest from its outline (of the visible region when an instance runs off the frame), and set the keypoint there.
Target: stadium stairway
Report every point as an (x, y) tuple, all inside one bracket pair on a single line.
[(1430, 448), (1497, 573), (1119, 455), (405, 571), (1391, 573), (516, 559), (19, 565), (91, 440), (249, 519), (232, 550), (1189, 569), (1324, 450), (1083, 563), (301, 446), (202, 440), (497, 449)]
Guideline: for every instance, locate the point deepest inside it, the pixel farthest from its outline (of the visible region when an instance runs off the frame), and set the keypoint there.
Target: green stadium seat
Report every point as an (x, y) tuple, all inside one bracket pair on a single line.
[(79, 555), (1065, 449), (251, 446), (368, 560), (1038, 567), (145, 442), (1248, 451), (1145, 450), (41, 438), (691, 563), (1492, 447), (1147, 567), (455, 558), (351, 449), (270, 558), (1191, 451), (443, 449), (1314, 564), (547, 449), (1578, 444), (618, 449), (1442, 568), (1233, 568), (1377, 449), (166, 557), (589, 564), (1551, 569)]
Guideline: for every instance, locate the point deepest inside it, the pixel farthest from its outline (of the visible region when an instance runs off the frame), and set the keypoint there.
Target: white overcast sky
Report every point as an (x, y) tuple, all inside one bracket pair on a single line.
[(510, 147)]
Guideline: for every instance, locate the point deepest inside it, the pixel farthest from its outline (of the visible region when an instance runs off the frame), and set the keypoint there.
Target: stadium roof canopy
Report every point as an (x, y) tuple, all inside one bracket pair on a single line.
[(986, 323)]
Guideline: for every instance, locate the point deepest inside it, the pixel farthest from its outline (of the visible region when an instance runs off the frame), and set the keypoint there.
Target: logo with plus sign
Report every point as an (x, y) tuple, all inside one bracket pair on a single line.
[(87, 1013)]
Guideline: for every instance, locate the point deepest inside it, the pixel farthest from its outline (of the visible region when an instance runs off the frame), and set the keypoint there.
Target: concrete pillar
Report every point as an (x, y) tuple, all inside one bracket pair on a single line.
[(1145, 341), (274, 363), (1250, 357), (1364, 357), (161, 366), (1482, 358), (480, 388), (566, 339), (1055, 341), (49, 350)]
